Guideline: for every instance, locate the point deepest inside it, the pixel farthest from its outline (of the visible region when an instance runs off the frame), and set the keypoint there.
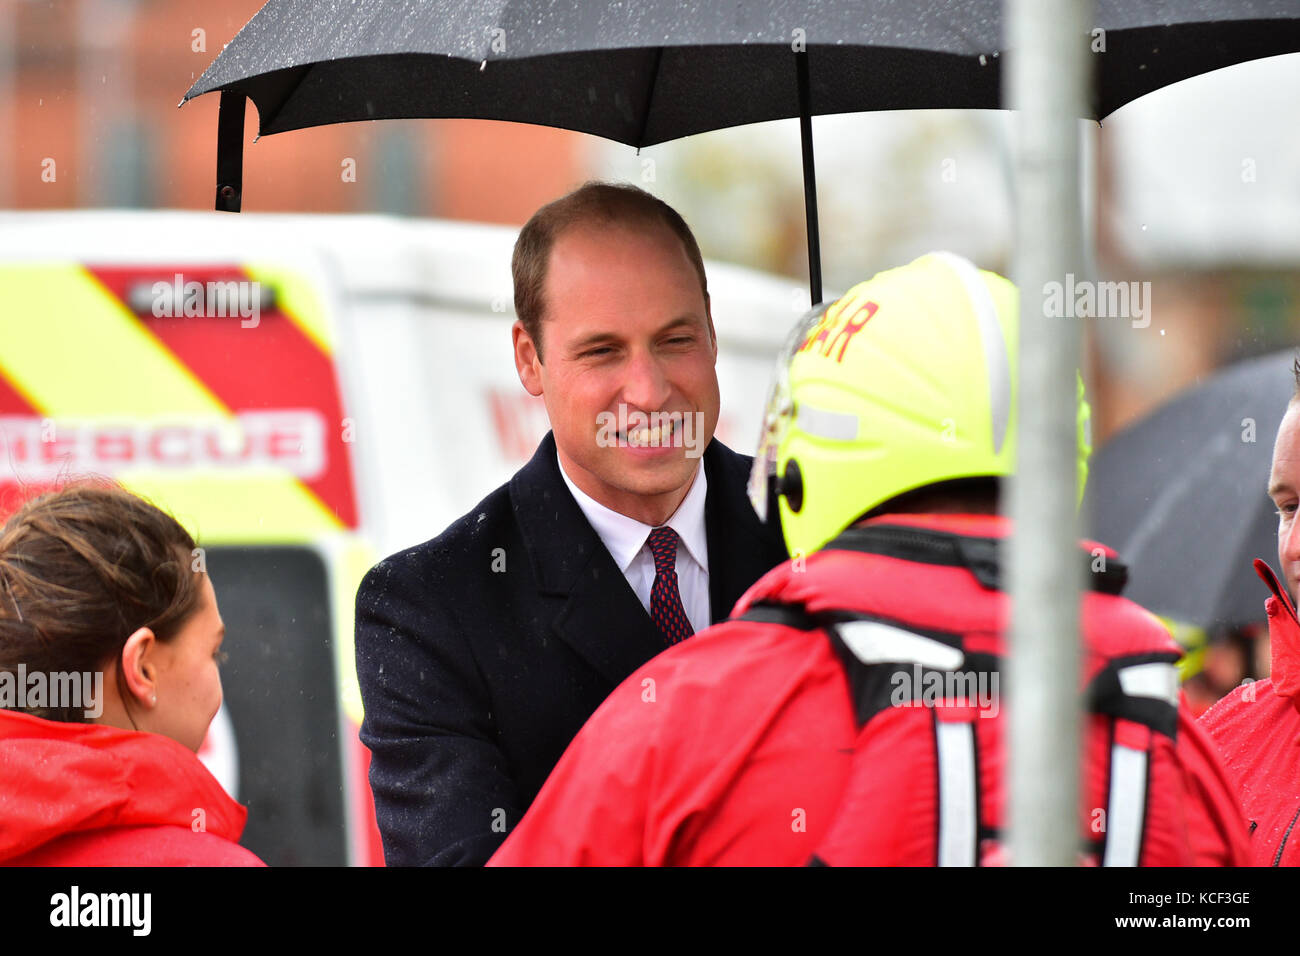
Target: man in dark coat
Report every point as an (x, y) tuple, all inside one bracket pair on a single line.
[(482, 652)]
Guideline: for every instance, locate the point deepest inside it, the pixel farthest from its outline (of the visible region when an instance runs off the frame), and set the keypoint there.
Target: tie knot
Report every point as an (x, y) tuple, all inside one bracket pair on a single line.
[(663, 545)]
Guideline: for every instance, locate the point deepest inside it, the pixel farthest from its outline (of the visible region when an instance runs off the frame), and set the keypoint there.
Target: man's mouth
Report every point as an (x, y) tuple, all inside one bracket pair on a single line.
[(646, 431), (647, 436)]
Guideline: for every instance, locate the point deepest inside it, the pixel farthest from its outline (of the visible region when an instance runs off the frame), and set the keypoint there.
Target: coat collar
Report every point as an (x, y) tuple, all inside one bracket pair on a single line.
[(624, 537), (741, 548), (596, 611), (1284, 636)]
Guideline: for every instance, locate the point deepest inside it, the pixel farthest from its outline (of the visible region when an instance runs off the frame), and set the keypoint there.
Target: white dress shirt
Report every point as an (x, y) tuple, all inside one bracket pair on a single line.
[(626, 540)]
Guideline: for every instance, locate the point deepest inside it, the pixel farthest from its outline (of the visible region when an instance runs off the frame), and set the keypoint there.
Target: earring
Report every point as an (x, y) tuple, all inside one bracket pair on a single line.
[(153, 699)]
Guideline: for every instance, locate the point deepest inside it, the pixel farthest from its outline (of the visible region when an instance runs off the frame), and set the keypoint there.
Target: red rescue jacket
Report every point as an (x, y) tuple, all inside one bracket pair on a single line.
[(738, 746), (76, 794), (1257, 730)]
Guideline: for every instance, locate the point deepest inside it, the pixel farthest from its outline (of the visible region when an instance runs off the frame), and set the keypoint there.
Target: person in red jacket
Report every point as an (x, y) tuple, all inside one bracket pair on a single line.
[(1257, 726), (109, 643), (848, 712)]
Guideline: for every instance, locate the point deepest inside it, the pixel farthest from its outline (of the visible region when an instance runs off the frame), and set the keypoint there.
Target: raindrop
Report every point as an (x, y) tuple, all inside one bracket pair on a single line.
[(1144, 227), (983, 60), (482, 66)]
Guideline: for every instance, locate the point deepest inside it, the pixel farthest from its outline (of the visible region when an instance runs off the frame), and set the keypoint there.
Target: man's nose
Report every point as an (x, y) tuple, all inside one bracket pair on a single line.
[(645, 385)]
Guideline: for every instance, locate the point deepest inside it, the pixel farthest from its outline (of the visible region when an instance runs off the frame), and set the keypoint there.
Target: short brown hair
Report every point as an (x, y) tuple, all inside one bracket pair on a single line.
[(595, 202), (82, 569), (980, 494)]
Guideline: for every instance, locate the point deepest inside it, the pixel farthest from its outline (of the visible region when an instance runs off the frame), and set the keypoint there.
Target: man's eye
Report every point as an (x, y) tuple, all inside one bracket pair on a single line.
[(1286, 510), (597, 352)]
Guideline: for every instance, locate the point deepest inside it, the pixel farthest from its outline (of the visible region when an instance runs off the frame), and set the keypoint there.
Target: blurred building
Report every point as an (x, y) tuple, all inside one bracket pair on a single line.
[(88, 115)]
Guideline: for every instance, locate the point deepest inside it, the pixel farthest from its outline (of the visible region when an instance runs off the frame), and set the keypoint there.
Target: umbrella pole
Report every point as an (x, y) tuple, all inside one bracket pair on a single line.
[(230, 152), (809, 179), (1049, 79)]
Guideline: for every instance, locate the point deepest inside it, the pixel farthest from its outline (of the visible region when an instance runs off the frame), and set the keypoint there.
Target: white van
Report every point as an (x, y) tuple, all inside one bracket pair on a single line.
[(306, 394)]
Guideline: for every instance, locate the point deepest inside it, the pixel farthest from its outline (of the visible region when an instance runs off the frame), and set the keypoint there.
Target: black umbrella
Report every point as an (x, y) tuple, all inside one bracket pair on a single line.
[(643, 72), (640, 72), (1181, 495)]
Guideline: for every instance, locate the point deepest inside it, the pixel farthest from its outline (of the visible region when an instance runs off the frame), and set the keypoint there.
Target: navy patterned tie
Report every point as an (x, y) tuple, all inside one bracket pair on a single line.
[(665, 600)]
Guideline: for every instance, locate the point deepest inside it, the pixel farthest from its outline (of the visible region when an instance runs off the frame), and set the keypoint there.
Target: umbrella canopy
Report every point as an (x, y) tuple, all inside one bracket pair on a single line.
[(640, 72), (649, 71), (1143, 45), (1181, 495)]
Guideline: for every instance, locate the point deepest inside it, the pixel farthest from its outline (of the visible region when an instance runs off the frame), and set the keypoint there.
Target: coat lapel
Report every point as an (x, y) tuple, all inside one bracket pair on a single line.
[(741, 550), (592, 607)]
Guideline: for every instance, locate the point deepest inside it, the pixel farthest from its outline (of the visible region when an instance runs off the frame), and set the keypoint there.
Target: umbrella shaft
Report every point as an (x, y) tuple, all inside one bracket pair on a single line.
[(809, 179)]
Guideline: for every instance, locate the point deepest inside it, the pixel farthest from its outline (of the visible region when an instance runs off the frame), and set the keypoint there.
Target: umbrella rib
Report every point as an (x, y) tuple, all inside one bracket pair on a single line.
[(279, 106), (649, 97)]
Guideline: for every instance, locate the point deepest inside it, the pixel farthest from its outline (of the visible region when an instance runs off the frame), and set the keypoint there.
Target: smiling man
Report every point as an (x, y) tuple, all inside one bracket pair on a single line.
[(1257, 726), (482, 652)]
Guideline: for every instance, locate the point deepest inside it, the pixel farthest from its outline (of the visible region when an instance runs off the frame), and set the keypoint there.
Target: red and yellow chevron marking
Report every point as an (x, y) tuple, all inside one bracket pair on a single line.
[(267, 459), (175, 407)]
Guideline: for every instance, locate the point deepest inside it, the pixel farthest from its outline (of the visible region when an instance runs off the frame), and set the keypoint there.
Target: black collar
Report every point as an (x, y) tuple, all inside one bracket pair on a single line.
[(979, 555)]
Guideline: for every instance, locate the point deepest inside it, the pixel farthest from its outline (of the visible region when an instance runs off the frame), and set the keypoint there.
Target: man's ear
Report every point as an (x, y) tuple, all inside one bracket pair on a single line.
[(527, 361), (139, 667)]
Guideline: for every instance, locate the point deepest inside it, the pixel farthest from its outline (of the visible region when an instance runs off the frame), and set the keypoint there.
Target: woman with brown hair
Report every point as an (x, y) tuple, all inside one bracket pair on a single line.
[(109, 645)]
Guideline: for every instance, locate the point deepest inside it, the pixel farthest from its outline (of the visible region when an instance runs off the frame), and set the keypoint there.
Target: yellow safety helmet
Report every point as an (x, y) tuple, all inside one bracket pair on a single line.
[(907, 380)]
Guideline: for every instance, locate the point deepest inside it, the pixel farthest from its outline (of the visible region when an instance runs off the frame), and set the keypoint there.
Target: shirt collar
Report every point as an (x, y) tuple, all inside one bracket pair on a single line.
[(624, 537)]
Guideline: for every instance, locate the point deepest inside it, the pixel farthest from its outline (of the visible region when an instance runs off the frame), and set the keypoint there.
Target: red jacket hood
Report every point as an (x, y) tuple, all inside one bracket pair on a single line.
[(61, 778), (1283, 636)]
